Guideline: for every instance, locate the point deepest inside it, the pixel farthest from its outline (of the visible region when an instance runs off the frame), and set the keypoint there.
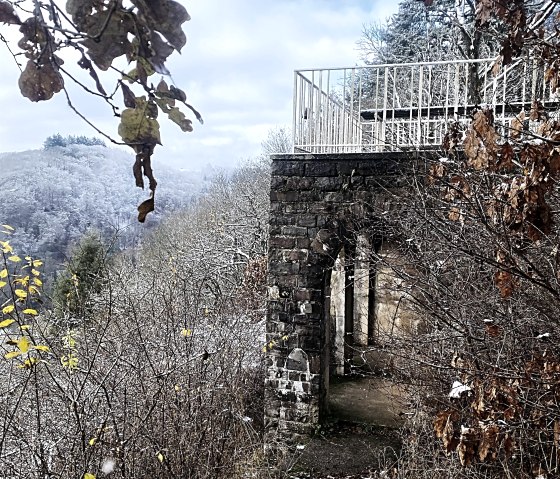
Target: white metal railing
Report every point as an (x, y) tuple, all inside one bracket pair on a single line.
[(408, 105)]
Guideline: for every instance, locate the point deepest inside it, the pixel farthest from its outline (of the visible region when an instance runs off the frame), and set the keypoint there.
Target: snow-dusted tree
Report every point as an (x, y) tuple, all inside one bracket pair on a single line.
[(278, 140), (443, 30)]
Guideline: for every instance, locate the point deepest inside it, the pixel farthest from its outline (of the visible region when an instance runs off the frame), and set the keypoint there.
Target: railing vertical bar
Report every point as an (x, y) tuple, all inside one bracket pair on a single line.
[(544, 97), (330, 123), (420, 94), (534, 81), (504, 96), (343, 111), (410, 120), (429, 98), (319, 138), (467, 86), (485, 82), (360, 94), (385, 94), (304, 121), (395, 103), (446, 105), (294, 113), (377, 131), (456, 87), (524, 84), (310, 119), (351, 119)]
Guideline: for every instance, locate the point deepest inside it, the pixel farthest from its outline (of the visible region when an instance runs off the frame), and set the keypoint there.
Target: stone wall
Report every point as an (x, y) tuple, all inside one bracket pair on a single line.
[(318, 203)]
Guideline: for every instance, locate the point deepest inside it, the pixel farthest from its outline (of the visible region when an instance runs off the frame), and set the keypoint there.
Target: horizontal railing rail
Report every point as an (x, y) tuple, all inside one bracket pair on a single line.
[(409, 105)]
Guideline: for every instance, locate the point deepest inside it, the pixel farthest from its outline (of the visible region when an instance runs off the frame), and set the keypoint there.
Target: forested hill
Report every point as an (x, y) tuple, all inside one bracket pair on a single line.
[(53, 196)]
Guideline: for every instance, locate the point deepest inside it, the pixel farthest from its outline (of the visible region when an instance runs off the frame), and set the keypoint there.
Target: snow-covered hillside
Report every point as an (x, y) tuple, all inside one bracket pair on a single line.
[(53, 196)]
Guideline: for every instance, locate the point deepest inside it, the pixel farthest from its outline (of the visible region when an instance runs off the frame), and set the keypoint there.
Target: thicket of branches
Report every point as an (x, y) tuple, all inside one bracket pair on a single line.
[(158, 374), (478, 228)]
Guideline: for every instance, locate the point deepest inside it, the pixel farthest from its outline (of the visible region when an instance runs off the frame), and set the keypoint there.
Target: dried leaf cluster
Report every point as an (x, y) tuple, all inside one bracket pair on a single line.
[(103, 33)]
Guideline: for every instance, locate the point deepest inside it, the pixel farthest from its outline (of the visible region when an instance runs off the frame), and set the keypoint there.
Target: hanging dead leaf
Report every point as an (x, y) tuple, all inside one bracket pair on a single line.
[(86, 65), (468, 443), (445, 430), (40, 82), (177, 116), (493, 330), (505, 282), (454, 214), (488, 446), (166, 17), (128, 96), (7, 14), (108, 40), (138, 125), (145, 208)]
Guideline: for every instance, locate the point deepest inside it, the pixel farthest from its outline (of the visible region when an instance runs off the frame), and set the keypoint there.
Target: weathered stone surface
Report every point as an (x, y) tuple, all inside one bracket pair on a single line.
[(297, 360)]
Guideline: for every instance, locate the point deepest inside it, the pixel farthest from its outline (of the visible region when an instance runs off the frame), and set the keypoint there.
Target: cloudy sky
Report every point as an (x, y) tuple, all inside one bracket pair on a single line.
[(237, 70)]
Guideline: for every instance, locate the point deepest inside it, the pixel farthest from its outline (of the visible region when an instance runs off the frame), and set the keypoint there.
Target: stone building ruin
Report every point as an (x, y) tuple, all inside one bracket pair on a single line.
[(331, 269)]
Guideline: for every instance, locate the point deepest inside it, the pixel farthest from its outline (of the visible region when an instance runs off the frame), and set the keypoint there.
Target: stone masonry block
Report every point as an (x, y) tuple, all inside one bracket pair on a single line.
[(320, 169), (294, 230), (306, 220), (288, 168), (281, 242), (285, 196)]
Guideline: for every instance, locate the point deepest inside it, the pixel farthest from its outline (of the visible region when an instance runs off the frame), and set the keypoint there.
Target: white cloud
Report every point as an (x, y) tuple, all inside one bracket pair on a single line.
[(237, 70)]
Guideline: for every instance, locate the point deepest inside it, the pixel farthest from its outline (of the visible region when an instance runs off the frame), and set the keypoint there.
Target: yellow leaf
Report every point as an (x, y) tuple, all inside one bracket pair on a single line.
[(23, 344), (6, 248), (25, 327), (28, 363), (8, 227), (14, 258), (32, 312), (4, 273), (2, 284), (8, 309), (36, 263), (70, 361), (23, 280), (6, 323), (20, 293), (186, 333), (87, 475), (41, 347), (160, 457), (12, 354), (264, 349), (177, 388), (37, 282), (33, 289), (34, 272), (92, 441)]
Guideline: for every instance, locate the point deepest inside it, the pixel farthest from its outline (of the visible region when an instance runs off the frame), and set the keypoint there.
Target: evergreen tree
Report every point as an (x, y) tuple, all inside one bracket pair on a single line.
[(83, 277)]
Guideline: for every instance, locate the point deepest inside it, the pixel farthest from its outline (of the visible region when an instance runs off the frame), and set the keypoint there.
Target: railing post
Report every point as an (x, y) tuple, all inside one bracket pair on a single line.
[(420, 92), (295, 114)]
